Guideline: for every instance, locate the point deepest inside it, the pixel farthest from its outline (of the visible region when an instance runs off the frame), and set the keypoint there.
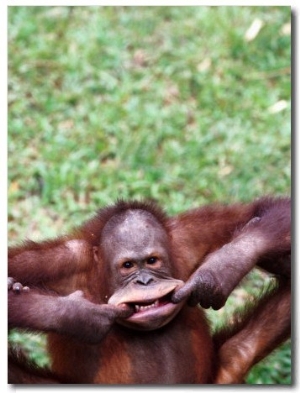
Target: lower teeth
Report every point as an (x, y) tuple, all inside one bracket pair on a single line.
[(143, 308)]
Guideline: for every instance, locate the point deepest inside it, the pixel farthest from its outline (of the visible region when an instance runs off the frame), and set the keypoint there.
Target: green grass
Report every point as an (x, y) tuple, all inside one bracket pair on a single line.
[(170, 103)]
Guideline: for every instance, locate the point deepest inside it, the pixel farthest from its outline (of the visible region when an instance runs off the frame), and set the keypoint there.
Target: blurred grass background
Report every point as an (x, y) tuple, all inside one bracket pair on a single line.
[(187, 105)]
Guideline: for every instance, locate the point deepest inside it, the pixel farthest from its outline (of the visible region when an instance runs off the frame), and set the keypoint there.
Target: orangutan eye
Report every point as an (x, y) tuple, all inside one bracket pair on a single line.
[(127, 265), (152, 260)]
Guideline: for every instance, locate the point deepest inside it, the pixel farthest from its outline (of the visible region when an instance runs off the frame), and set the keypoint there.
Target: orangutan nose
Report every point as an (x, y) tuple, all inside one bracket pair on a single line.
[(144, 279)]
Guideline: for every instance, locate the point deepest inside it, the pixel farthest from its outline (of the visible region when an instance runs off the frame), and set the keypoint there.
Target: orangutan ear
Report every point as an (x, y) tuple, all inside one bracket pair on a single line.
[(96, 253)]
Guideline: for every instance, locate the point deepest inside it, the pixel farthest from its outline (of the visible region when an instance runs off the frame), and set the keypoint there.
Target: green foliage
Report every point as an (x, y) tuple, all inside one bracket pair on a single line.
[(172, 103), (276, 370), (33, 345)]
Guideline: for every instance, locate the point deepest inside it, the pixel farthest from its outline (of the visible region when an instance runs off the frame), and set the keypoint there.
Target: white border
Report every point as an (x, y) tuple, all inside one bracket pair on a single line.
[(3, 161), (150, 3)]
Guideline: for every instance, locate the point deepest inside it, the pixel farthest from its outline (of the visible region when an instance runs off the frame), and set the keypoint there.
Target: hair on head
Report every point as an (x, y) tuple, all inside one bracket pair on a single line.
[(96, 224)]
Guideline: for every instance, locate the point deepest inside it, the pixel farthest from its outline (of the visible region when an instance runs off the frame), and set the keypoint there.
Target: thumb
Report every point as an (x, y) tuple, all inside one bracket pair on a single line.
[(182, 293), (124, 311)]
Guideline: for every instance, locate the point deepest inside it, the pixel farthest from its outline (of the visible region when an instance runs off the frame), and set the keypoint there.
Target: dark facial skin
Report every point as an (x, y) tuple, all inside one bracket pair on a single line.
[(136, 247)]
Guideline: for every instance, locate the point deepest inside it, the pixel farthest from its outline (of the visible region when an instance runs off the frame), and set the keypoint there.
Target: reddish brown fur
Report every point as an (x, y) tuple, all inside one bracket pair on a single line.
[(199, 232), (169, 355), (251, 338), (182, 351)]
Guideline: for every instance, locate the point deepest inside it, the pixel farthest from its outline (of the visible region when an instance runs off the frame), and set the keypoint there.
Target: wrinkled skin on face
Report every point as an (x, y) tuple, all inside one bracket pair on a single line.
[(135, 245)]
